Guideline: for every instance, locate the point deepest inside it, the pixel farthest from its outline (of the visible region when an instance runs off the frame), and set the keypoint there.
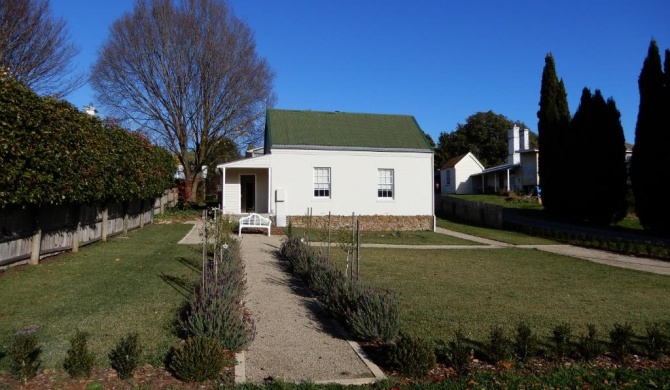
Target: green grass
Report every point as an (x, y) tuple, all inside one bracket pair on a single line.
[(133, 284), (441, 290), (391, 238), (517, 202), (510, 237)]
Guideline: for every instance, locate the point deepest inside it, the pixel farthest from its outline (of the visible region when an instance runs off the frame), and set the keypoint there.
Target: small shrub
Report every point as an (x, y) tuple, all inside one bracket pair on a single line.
[(216, 310), (656, 341), (498, 346), (459, 353), (621, 341), (198, 359), (411, 356), (24, 355), (79, 360), (125, 357), (375, 315), (588, 346), (343, 296), (525, 342), (561, 338)]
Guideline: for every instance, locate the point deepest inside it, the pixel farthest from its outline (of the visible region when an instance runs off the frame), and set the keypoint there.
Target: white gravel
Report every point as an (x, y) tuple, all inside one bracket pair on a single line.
[(296, 340)]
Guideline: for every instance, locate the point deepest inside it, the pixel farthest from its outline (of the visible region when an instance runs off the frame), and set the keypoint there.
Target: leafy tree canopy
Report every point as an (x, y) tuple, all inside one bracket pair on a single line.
[(484, 134)]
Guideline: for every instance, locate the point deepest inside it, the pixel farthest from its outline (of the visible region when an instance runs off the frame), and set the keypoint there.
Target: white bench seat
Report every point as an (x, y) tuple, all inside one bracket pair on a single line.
[(254, 221)]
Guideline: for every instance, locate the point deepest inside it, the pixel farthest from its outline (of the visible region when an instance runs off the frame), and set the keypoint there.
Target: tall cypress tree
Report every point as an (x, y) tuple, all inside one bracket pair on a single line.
[(580, 137), (598, 164), (650, 161), (553, 122)]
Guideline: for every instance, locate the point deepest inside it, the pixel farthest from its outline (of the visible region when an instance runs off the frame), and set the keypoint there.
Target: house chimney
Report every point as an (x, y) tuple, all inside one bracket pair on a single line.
[(513, 145), (525, 139)]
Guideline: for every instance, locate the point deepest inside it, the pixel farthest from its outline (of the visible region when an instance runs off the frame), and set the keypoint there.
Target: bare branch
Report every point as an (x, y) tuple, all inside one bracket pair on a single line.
[(35, 47), (188, 72)]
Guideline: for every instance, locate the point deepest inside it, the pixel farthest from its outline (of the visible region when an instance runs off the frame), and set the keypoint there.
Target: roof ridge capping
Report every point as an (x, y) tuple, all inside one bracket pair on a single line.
[(344, 129)]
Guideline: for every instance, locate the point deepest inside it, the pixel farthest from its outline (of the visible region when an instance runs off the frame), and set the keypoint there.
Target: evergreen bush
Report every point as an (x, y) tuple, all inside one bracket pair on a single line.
[(562, 340), (125, 357), (215, 310), (459, 353), (656, 341), (375, 315), (24, 355), (411, 356), (525, 342), (198, 359), (498, 346), (79, 360), (621, 341), (588, 346)]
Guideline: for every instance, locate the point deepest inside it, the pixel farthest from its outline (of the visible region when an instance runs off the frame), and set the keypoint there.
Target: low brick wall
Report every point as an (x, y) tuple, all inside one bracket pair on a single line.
[(367, 222)]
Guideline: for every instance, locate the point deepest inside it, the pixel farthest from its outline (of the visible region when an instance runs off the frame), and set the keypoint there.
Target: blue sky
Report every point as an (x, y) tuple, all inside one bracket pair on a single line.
[(439, 60)]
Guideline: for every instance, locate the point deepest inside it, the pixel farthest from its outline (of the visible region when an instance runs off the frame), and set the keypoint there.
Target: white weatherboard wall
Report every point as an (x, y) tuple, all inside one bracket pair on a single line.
[(353, 182)]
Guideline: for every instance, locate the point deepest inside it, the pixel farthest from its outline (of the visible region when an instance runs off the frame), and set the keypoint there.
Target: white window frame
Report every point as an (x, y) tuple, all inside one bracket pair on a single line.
[(322, 182), (385, 183)]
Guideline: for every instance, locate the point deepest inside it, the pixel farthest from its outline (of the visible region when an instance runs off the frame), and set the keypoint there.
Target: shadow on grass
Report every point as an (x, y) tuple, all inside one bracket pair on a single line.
[(182, 285)]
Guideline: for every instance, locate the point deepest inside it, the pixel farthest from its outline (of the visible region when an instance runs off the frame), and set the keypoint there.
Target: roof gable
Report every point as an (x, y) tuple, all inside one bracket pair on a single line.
[(455, 160), (291, 128)]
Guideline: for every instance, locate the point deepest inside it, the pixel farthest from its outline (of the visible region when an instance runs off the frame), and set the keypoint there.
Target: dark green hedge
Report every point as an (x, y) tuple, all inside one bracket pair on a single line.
[(50, 153)]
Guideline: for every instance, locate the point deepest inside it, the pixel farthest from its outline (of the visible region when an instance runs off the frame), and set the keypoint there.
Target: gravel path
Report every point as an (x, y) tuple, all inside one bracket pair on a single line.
[(296, 340)]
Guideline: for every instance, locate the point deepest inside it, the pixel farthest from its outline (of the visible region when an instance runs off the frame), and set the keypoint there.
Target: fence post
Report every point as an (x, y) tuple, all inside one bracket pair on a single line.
[(126, 207), (37, 241), (141, 213), (77, 228), (103, 230)]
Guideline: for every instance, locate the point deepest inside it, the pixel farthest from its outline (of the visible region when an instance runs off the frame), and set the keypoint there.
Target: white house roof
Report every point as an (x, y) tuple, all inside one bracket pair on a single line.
[(498, 168), (252, 162)]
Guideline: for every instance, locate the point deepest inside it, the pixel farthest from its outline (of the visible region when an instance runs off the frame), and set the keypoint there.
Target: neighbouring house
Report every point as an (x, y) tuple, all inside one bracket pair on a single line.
[(379, 167), (455, 174), (519, 174)]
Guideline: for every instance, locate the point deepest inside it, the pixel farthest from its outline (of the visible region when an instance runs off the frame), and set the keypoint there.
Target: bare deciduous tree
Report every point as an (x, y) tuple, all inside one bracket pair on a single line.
[(190, 73), (35, 47)]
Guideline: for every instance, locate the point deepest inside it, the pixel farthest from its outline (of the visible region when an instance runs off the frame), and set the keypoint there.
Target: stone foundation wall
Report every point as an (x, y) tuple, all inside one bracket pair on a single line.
[(367, 222)]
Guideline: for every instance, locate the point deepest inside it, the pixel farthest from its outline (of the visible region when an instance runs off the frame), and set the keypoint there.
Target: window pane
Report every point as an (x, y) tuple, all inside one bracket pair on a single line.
[(385, 183), (321, 182)]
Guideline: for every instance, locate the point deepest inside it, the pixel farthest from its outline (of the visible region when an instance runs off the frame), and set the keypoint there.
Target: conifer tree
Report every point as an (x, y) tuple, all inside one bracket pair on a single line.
[(597, 142), (650, 161), (553, 123)]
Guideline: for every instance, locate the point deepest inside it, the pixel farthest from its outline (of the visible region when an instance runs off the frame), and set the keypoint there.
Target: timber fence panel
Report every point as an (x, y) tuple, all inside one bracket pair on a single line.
[(58, 225)]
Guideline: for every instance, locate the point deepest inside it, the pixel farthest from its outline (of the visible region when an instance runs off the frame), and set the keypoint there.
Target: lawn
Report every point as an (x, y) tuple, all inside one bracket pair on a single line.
[(391, 238), (517, 202), (508, 236), (133, 284), (441, 290)]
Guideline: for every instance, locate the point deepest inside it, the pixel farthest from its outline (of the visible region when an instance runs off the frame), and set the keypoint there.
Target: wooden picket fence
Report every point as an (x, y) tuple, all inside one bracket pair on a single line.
[(28, 234)]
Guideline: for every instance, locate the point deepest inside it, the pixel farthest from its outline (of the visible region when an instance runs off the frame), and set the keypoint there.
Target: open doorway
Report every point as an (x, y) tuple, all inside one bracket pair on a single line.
[(247, 193)]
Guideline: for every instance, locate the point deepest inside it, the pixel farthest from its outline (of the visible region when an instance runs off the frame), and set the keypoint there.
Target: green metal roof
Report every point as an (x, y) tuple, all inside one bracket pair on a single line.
[(290, 128)]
